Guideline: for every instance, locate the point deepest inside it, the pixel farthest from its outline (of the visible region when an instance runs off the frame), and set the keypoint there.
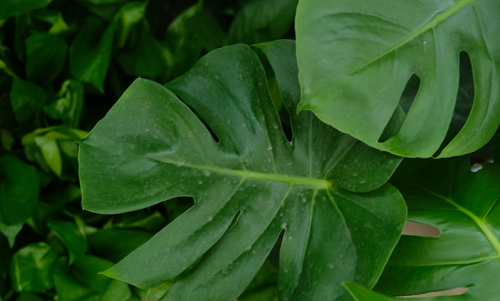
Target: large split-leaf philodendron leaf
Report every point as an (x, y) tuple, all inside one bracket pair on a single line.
[(249, 187), (356, 56), (464, 207)]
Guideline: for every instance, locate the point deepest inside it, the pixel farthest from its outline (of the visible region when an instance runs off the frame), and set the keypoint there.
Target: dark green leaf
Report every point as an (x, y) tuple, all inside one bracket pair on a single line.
[(115, 244), (31, 268), (71, 236), (27, 100), (69, 105), (5, 254), (151, 147), (262, 21), (19, 188), (82, 281), (46, 55), (90, 52), (19, 7), (28, 297), (374, 47), (145, 58), (464, 206)]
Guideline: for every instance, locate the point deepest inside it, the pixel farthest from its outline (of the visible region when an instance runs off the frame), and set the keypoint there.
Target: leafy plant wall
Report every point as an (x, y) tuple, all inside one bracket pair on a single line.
[(263, 172)]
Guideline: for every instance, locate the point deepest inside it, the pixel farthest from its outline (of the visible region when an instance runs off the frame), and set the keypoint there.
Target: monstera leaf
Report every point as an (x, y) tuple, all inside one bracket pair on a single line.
[(464, 207), (249, 187), (356, 56)]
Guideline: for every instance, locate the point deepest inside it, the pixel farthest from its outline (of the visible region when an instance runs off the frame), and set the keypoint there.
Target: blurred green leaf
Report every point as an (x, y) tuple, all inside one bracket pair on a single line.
[(115, 244), (129, 16), (11, 232), (31, 268), (19, 189), (54, 18), (19, 7), (7, 139), (5, 255), (70, 234), (145, 57), (82, 282), (24, 296), (46, 55), (69, 105), (262, 21), (90, 52), (27, 100)]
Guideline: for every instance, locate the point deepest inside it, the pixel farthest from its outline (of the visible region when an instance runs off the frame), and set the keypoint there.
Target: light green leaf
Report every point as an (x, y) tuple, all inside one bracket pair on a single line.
[(355, 58), (129, 16), (464, 207), (11, 232), (90, 52), (27, 100), (19, 7), (19, 189), (248, 188), (262, 21), (71, 236), (31, 268), (150, 221), (46, 55)]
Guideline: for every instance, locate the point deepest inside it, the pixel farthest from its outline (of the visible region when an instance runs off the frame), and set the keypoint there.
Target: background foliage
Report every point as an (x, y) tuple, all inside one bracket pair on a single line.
[(63, 65)]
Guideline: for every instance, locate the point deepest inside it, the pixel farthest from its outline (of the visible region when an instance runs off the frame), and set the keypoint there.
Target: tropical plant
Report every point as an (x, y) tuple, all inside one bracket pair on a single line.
[(263, 172)]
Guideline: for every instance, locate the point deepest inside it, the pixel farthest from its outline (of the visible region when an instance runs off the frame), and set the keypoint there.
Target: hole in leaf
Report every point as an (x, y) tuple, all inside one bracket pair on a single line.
[(451, 292), (212, 133), (417, 229), (465, 94), (405, 103), (177, 206), (274, 92)]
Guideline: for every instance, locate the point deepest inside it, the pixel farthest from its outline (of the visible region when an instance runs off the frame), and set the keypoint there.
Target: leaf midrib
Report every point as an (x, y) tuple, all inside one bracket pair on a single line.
[(494, 241), (432, 24), (245, 174)]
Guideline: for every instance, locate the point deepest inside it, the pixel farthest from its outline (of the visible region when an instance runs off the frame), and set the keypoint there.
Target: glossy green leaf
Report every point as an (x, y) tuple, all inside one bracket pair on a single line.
[(90, 52), (70, 234), (46, 55), (27, 100), (31, 268), (464, 206), (115, 244), (262, 20), (19, 7), (152, 147), (81, 281), (355, 58), (19, 189)]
